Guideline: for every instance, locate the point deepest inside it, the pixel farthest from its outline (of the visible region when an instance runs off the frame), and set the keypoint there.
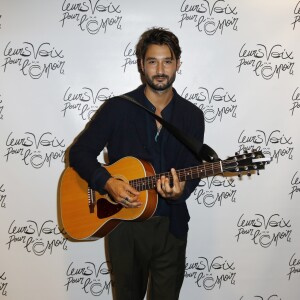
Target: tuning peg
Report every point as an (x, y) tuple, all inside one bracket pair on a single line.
[(257, 172), (236, 153), (240, 175), (248, 174)]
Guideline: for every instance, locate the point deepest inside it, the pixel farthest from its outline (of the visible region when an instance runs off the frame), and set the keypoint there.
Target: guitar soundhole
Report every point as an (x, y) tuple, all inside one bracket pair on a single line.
[(106, 209)]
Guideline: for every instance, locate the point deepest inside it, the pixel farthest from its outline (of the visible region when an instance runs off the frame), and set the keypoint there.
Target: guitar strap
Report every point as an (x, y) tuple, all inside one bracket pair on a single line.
[(202, 151)]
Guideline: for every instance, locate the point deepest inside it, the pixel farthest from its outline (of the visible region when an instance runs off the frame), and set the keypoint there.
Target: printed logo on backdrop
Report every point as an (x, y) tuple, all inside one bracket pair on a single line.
[(210, 274), (35, 150), (92, 16), (215, 191), (84, 102), (265, 61), (272, 297), (130, 59), (275, 144), (294, 267), (296, 15), (38, 238), (3, 196), (34, 60), (90, 277), (217, 104), (209, 17), (295, 185), (295, 101), (264, 230), (1, 108), (3, 284)]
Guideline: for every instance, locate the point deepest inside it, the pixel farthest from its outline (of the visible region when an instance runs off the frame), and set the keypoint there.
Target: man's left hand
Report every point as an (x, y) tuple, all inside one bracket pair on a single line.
[(165, 189)]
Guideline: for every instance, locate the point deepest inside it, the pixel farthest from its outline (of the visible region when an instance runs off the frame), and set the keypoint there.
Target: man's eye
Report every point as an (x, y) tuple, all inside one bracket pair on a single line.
[(168, 62)]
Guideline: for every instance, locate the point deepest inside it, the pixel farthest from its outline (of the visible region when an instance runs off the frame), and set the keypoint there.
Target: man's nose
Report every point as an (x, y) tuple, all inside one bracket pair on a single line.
[(160, 68)]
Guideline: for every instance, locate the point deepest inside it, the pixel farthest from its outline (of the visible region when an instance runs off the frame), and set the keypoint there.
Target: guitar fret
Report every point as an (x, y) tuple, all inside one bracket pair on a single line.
[(199, 168), (221, 167), (191, 173)]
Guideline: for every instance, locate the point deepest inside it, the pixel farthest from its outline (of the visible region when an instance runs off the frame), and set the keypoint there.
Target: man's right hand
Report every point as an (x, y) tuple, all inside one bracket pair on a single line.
[(122, 193)]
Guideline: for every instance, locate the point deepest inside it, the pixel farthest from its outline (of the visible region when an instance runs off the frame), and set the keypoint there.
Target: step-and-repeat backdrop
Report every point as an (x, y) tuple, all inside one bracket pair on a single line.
[(60, 60)]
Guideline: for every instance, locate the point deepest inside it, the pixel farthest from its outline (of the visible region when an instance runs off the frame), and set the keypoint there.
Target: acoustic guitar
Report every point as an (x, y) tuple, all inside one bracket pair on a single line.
[(89, 215)]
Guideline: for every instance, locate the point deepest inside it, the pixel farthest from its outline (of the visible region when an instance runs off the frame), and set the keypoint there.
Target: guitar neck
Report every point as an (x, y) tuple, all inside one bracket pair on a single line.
[(204, 170)]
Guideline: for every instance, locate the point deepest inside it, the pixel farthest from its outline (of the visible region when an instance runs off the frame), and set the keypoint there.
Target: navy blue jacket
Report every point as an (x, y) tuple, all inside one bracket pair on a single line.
[(121, 127)]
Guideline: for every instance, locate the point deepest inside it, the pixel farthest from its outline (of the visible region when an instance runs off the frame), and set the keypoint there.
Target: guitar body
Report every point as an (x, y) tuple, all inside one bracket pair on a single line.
[(89, 215)]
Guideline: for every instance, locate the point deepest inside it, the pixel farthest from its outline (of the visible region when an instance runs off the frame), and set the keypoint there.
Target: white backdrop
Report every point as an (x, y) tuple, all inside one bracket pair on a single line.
[(59, 60)]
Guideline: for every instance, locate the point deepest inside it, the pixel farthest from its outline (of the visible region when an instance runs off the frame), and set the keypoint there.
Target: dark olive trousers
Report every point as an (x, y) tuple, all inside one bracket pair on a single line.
[(145, 256)]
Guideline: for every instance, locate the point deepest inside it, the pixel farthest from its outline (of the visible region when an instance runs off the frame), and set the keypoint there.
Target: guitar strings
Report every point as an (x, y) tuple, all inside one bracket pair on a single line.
[(188, 173), (150, 181)]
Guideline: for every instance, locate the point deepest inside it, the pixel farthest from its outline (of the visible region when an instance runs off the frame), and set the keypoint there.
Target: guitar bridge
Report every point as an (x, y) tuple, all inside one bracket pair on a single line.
[(91, 200)]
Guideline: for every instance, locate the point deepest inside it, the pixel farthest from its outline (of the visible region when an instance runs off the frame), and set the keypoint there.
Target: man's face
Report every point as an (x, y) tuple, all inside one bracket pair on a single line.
[(159, 67)]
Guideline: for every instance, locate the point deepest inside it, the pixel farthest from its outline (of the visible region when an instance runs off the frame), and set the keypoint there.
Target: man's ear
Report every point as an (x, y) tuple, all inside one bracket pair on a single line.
[(178, 64), (142, 66)]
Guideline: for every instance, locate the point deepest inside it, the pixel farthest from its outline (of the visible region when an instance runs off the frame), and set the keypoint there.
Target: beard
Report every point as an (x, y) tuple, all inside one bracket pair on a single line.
[(160, 86)]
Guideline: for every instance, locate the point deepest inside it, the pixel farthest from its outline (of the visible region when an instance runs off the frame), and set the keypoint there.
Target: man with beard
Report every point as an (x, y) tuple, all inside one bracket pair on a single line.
[(151, 253)]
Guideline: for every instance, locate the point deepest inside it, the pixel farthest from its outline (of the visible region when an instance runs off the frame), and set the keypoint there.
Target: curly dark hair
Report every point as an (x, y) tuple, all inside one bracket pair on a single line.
[(157, 36)]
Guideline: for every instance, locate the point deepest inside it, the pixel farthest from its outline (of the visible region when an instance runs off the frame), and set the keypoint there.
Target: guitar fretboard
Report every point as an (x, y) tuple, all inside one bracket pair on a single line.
[(204, 170)]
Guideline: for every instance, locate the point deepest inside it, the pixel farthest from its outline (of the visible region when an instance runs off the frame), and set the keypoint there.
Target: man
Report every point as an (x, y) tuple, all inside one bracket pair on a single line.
[(153, 249)]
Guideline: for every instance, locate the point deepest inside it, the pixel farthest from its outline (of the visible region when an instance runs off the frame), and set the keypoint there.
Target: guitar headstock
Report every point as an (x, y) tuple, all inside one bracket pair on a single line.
[(246, 162)]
